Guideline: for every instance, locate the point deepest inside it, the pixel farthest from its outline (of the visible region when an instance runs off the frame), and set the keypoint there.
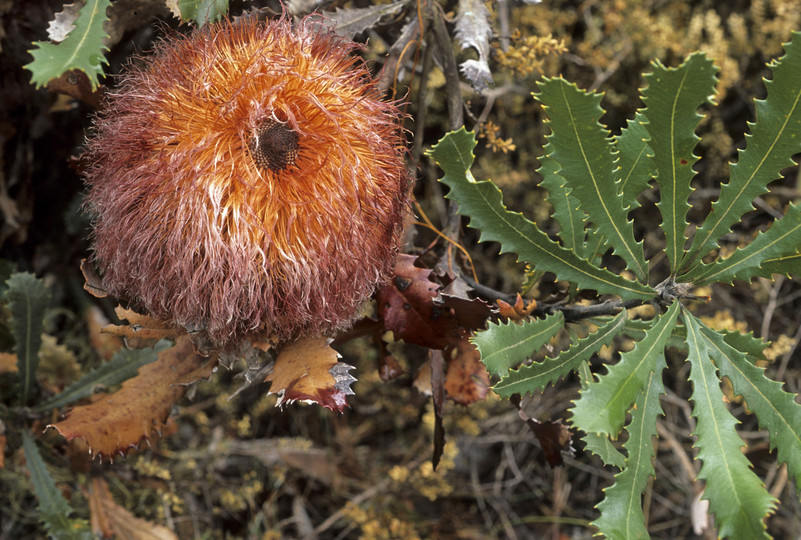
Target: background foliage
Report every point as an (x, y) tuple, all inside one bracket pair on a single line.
[(305, 471)]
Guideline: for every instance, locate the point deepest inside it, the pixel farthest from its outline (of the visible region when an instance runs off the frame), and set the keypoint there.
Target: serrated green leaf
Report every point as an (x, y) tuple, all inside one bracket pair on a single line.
[(635, 166), (745, 263), (82, 49), (353, 20), (504, 345), (536, 376), (672, 98), (737, 497), (776, 410), (28, 299), (603, 405), (582, 147), (748, 344), (54, 511), (566, 212), (621, 509), (598, 443), (774, 138), (788, 264), (202, 11), (123, 365), (482, 202)]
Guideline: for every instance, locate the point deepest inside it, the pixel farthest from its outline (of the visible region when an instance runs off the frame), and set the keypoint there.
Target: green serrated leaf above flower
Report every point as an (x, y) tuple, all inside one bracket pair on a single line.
[(202, 11), (672, 98), (775, 136), (482, 202), (581, 146), (82, 49)]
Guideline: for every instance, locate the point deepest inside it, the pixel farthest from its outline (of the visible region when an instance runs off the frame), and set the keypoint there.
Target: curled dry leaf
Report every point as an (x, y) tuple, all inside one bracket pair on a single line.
[(105, 344), (389, 368), (112, 520), (518, 311), (308, 370), (117, 422), (409, 308), (141, 330), (93, 284), (466, 380), (554, 436)]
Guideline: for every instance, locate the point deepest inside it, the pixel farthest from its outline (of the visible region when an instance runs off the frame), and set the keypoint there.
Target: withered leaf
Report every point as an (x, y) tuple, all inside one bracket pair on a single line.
[(104, 344), (554, 436), (109, 518), (409, 308), (467, 380), (117, 422), (141, 330), (308, 370), (388, 368), (518, 311), (93, 285)]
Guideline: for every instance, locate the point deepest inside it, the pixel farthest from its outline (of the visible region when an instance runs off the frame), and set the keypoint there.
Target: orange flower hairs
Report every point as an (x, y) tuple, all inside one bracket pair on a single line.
[(248, 181)]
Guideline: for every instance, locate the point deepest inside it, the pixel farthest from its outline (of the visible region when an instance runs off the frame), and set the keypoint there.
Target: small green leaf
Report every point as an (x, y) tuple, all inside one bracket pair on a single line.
[(598, 443), (776, 410), (603, 405), (202, 11), (635, 166), (621, 509), (536, 376), (28, 299), (482, 202), (566, 211), (737, 497), (581, 145), (672, 98), (774, 138), (54, 511), (123, 366), (745, 263), (505, 345), (82, 49)]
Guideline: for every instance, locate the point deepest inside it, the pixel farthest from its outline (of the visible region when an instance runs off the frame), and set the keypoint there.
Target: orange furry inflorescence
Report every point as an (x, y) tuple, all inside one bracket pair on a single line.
[(248, 181)]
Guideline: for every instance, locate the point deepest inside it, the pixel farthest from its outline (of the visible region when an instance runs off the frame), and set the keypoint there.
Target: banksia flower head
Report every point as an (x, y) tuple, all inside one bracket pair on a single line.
[(248, 181)]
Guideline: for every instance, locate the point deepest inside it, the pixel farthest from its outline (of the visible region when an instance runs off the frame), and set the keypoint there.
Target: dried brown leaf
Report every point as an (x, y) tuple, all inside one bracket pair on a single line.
[(409, 309), (308, 370), (113, 518), (105, 345), (554, 436), (115, 423), (467, 380), (93, 284), (141, 330), (518, 311)]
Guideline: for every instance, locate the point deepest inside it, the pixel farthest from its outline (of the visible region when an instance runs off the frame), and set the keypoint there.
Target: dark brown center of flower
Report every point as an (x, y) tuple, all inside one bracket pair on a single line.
[(274, 145)]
